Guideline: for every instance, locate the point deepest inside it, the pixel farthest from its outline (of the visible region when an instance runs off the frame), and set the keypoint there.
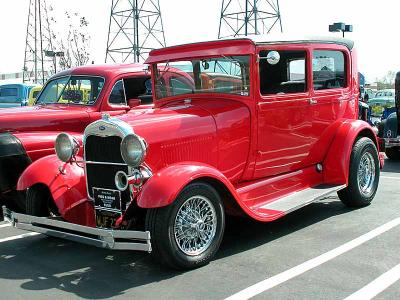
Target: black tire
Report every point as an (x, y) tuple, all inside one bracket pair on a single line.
[(352, 196), (393, 153), (38, 201), (160, 222)]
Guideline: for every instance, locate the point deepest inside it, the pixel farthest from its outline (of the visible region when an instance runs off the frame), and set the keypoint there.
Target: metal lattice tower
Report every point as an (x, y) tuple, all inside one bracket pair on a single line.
[(37, 66), (135, 29), (248, 17)]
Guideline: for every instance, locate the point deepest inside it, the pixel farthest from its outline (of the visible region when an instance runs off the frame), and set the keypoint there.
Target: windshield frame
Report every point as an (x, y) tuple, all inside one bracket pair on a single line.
[(166, 64), (71, 103)]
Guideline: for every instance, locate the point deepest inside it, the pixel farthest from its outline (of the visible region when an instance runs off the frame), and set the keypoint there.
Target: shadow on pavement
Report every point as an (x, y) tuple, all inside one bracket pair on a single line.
[(45, 263), (391, 166)]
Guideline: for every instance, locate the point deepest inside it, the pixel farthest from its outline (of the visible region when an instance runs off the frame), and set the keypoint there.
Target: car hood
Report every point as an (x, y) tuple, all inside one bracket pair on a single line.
[(174, 134), (39, 118)]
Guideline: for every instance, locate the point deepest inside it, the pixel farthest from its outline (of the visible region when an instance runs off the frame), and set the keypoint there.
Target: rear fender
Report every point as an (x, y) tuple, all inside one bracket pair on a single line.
[(337, 161), (66, 181), (164, 186)]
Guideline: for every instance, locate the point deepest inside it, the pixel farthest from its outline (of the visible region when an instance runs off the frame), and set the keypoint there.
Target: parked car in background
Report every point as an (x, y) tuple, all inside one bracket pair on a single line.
[(33, 93), (383, 99), (245, 126), (69, 101), (389, 128), (14, 95)]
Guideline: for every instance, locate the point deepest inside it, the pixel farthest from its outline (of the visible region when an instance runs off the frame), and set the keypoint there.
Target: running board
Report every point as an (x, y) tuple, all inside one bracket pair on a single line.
[(299, 199)]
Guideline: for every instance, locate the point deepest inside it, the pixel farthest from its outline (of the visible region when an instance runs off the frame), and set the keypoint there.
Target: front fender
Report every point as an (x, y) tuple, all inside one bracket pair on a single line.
[(68, 187), (337, 160), (164, 186)]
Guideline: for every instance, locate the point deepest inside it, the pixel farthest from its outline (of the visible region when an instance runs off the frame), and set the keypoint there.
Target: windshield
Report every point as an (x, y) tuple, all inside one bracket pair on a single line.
[(82, 90), (227, 75)]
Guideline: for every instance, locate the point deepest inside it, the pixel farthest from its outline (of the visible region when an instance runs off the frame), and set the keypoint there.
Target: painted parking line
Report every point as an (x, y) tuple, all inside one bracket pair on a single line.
[(5, 225), (390, 177), (17, 237), (378, 285), (273, 281)]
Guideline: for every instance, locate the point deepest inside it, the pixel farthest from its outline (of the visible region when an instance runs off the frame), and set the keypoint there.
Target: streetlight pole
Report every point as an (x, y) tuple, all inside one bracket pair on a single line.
[(340, 27)]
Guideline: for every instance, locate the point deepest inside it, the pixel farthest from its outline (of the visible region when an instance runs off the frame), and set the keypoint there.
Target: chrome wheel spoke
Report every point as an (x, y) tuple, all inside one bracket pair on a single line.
[(195, 225)]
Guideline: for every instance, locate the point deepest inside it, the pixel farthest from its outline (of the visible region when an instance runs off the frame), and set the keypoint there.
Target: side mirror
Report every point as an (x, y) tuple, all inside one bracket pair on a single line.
[(134, 102)]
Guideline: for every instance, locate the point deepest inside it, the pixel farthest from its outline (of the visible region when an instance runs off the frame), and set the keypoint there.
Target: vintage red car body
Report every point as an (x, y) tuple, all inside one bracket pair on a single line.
[(28, 133), (264, 154)]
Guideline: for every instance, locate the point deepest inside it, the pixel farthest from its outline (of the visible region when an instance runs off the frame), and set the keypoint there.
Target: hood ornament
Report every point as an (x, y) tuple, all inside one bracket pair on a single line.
[(105, 116)]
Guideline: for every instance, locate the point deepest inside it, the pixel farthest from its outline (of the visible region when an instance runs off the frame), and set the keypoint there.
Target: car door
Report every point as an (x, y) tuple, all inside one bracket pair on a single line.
[(284, 125), (331, 96)]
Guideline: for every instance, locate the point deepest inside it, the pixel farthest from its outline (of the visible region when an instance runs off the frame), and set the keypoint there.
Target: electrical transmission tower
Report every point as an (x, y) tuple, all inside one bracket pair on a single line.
[(248, 17), (135, 29), (37, 65)]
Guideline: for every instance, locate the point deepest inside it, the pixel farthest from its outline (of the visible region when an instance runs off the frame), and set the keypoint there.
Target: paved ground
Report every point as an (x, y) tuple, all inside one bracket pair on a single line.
[(323, 251)]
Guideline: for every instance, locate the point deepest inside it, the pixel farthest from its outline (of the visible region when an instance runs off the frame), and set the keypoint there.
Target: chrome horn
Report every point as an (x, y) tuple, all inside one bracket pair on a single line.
[(122, 180)]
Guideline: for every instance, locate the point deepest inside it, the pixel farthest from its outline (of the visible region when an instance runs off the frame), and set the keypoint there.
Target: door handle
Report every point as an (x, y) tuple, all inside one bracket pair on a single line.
[(313, 101)]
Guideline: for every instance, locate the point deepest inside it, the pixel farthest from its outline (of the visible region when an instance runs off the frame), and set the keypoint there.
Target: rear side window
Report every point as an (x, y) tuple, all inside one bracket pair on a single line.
[(288, 75), (329, 70)]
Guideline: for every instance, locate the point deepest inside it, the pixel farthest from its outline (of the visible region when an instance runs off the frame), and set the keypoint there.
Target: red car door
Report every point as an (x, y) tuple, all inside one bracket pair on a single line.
[(284, 123)]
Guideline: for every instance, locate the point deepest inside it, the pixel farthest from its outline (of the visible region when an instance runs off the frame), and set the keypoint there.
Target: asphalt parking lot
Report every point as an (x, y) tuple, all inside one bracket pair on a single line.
[(323, 251)]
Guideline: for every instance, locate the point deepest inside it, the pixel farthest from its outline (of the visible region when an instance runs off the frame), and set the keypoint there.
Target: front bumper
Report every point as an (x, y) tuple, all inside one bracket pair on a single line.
[(392, 142), (102, 238)]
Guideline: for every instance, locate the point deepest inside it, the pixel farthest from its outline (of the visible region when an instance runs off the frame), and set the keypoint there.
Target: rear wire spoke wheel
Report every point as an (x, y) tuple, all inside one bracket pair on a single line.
[(187, 233), (364, 172)]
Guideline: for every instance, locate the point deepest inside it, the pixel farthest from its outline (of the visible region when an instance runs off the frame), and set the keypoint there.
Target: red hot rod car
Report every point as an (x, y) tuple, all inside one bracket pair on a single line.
[(69, 102), (238, 126)]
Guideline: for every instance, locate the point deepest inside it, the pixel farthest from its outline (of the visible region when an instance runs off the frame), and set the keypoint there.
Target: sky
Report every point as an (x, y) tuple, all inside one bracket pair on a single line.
[(375, 24)]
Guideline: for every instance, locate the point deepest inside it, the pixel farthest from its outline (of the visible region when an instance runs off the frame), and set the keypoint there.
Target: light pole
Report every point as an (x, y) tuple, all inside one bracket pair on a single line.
[(54, 55), (340, 27)]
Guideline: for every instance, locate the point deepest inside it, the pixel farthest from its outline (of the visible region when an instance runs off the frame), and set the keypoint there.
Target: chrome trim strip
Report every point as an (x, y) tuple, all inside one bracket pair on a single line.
[(102, 238)]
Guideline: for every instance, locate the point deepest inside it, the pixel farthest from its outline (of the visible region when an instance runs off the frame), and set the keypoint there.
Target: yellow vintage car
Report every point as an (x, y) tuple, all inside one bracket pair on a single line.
[(33, 93)]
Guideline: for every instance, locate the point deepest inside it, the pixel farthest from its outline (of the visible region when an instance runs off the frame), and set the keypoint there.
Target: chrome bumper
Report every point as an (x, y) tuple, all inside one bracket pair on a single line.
[(102, 238), (392, 142)]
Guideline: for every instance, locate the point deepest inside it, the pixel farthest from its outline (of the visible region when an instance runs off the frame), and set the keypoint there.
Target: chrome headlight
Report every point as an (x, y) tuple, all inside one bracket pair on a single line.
[(133, 150), (66, 147)]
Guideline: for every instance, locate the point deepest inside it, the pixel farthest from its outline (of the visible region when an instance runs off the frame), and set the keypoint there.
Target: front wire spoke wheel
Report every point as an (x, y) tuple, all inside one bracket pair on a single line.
[(202, 225)]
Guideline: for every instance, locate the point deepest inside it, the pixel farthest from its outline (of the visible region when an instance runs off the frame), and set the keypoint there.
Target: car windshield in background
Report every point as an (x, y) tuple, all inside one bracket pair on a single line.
[(227, 75), (83, 90)]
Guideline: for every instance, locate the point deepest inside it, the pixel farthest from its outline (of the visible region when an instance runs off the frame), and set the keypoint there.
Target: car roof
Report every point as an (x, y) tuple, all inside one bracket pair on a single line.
[(237, 46), (104, 70)]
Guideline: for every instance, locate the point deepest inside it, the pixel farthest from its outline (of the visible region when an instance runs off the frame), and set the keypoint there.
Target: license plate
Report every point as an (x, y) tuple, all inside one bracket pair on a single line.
[(108, 199), (106, 219)]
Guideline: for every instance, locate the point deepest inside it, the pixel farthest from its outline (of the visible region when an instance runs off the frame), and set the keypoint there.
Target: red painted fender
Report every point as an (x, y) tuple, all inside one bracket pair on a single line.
[(337, 160), (165, 185), (67, 188)]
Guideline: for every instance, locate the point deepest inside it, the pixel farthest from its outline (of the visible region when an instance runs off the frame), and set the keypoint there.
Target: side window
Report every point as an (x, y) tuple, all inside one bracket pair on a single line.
[(179, 86), (287, 75), (117, 95), (329, 70)]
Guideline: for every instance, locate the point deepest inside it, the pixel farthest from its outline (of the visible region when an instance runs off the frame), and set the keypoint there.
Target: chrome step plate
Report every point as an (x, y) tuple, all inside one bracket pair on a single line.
[(299, 199)]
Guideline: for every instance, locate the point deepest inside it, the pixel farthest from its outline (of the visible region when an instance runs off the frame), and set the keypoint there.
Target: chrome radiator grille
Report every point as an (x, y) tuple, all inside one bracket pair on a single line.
[(103, 161)]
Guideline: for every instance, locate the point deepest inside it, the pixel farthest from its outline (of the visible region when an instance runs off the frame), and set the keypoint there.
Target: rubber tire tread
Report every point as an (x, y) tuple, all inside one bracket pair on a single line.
[(393, 153), (351, 196), (37, 199), (158, 220)]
